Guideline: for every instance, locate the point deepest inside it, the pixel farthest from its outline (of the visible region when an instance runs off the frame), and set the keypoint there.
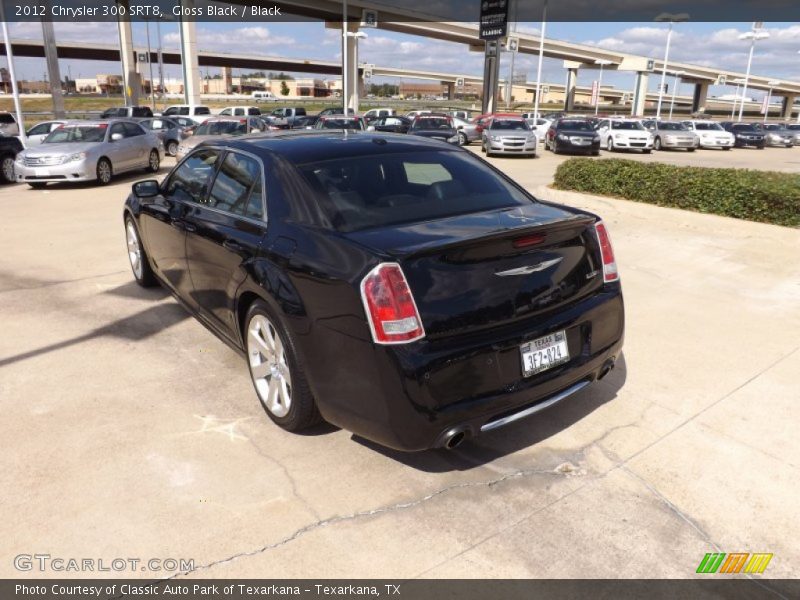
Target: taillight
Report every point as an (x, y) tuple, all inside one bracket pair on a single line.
[(607, 252), (392, 314)]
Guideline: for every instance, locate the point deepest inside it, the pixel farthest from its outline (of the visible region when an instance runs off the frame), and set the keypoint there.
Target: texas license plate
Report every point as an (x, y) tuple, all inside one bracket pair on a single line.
[(39, 172), (544, 353)]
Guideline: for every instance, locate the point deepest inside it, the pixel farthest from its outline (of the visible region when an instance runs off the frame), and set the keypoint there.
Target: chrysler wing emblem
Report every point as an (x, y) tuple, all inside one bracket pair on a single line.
[(530, 268)]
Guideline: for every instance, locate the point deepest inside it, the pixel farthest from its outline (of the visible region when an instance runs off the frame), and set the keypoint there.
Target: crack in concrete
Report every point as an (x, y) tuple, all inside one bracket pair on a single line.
[(522, 473)]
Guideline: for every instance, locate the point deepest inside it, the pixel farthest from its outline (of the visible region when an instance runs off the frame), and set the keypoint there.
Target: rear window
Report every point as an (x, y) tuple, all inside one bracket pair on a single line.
[(708, 127), (428, 123), (202, 110), (220, 128), (6, 119), (389, 189), (340, 123)]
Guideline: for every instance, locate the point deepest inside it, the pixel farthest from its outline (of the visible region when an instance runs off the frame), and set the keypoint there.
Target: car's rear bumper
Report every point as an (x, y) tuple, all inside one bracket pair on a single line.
[(410, 396)]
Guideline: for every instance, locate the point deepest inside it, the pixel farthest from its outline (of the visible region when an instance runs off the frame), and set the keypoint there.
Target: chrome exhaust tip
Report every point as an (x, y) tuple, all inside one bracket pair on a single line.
[(453, 438), (607, 368)]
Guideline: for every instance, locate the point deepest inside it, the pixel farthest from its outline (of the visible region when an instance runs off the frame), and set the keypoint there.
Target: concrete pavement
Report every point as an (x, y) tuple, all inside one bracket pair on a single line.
[(131, 431)]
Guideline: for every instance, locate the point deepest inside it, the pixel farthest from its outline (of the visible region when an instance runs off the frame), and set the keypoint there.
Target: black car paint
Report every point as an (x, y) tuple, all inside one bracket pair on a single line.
[(745, 134), (558, 145), (402, 396)]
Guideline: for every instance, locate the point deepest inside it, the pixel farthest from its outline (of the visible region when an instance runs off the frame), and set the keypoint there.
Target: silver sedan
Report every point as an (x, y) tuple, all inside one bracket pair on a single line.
[(509, 136), (89, 151), (467, 132)]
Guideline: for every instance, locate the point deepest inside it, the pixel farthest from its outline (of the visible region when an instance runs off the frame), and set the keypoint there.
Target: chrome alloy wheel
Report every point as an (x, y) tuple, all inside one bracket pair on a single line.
[(269, 366), (134, 249)]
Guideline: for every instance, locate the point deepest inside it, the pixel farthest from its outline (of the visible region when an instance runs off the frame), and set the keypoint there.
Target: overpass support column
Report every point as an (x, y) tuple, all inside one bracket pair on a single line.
[(350, 68), (189, 62), (569, 89), (639, 94), (491, 73), (788, 106), (700, 97), (53, 73), (451, 89), (131, 87)]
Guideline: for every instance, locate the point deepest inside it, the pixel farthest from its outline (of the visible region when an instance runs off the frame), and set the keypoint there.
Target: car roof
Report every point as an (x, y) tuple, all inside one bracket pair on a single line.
[(302, 146)]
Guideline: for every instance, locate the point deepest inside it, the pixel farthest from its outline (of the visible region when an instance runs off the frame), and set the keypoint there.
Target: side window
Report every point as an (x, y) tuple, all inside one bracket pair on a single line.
[(238, 179), (226, 112), (191, 179), (40, 129), (171, 111), (201, 110), (300, 112), (183, 110), (132, 130), (253, 111), (117, 128)]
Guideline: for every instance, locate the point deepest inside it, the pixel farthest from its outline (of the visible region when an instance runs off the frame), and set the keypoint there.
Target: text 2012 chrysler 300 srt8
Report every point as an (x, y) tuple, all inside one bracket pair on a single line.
[(398, 287)]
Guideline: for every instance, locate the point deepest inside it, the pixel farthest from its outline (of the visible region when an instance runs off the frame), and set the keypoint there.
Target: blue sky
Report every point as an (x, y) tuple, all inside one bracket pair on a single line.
[(698, 43)]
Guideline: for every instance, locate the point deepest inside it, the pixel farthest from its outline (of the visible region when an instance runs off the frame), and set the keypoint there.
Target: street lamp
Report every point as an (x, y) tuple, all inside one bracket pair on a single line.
[(539, 67), (739, 81), (677, 74), (756, 33), (672, 19), (772, 85), (602, 62)]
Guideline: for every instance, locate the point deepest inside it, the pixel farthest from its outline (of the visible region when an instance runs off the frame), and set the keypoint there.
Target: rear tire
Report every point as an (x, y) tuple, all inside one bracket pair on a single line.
[(172, 148), (691, 149), (462, 139), (7, 169), (104, 171), (646, 151), (153, 162), (610, 145), (657, 144), (726, 149), (277, 373)]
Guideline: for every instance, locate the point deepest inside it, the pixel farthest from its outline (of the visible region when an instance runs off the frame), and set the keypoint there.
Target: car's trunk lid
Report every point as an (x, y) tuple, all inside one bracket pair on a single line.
[(485, 269)]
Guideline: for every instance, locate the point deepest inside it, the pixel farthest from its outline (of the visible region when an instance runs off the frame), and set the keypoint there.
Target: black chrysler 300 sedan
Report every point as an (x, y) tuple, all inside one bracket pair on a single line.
[(395, 286)]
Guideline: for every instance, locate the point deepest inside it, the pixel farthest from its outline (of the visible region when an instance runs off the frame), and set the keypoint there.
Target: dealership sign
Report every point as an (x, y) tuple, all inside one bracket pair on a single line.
[(494, 19)]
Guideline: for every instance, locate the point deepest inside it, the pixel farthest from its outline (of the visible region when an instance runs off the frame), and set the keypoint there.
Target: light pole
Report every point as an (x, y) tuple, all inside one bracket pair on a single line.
[(13, 75), (756, 33), (772, 84), (738, 82), (672, 19), (539, 67), (602, 62), (678, 75)]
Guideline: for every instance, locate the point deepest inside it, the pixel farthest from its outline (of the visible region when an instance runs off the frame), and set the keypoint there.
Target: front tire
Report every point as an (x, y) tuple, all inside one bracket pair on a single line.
[(137, 256), (153, 162), (7, 169), (277, 372), (462, 139), (657, 144), (104, 171), (172, 148), (610, 145)]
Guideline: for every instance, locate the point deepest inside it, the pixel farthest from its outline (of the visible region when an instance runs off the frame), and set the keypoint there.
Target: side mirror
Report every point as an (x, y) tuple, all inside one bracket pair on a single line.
[(115, 137), (146, 189)]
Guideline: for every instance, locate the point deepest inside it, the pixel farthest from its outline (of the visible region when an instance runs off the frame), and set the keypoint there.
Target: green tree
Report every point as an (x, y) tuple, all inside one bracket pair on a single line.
[(284, 88)]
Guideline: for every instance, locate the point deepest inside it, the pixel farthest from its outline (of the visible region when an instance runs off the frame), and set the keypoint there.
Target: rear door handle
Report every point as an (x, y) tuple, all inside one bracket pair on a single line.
[(232, 246)]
